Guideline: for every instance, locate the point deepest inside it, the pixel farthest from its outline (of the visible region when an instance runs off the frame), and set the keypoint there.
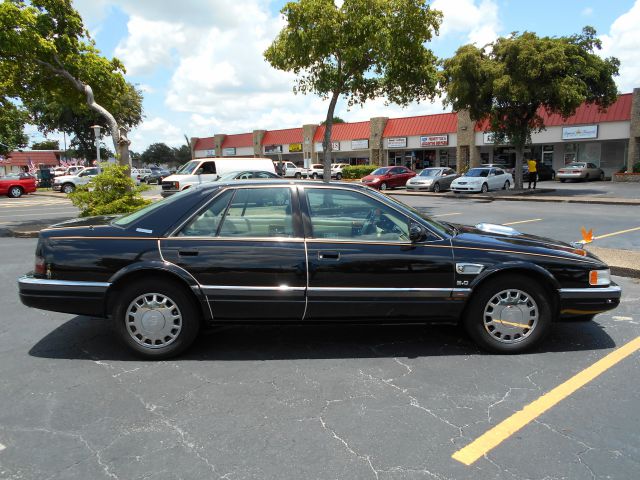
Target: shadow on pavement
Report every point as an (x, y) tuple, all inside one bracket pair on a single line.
[(93, 339)]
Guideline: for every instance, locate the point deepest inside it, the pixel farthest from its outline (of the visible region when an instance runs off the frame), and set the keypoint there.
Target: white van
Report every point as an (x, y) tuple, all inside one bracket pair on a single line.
[(203, 170)]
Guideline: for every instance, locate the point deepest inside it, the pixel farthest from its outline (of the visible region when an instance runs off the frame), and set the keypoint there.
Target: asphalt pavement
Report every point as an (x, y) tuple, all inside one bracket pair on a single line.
[(331, 402)]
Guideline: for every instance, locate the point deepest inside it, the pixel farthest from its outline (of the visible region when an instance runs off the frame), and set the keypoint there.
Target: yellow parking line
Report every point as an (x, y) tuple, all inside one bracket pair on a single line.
[(494, 437), (616, 233), (446, 214), (523, 221)]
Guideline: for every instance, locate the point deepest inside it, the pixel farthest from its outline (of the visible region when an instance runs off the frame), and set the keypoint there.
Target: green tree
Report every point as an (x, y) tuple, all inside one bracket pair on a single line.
[(157, 153), (182, 154), (46, 145), (12, 120), (44, 41), (334, 121), (509, 80), (360, 50)]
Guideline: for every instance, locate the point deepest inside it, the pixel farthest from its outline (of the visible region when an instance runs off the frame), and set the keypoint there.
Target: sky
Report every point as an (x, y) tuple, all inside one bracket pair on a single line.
[(199, 63)]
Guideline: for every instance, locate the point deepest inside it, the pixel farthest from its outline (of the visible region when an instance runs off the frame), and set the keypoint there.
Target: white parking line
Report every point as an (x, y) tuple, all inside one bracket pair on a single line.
[(524, 221), (2, 447), (446, 214), (66, 210)]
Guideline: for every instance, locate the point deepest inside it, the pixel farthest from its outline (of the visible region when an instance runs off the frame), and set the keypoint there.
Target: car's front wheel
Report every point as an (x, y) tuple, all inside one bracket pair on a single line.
[(314, 176), (484, 188), (602, 176), (338, 176), (436, 187), (15, 192), (68, 187), (509, 314), (562, 180), (383, 186), (507, 185), (157, 319)]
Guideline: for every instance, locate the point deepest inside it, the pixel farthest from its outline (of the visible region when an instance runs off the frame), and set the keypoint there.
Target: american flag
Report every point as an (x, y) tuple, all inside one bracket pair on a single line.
[(32, 168), (3, 159)]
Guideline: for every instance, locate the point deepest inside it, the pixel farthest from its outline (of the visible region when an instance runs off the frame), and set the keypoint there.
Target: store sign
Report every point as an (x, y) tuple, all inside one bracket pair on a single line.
[(273, 149), (397, 142), (210, 153), (335, 146), (434, 140), (229, 151), (359, 144), (577, 133), (295, 147), (489, 138)]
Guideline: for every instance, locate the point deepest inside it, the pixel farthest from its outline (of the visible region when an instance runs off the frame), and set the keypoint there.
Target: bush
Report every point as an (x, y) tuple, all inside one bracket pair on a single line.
[(636, 168), (111, 192), (358, 171)]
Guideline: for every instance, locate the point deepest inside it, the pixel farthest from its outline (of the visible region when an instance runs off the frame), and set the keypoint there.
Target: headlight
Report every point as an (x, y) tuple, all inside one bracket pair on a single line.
[(376, 180), (429, 181), (600, 278)]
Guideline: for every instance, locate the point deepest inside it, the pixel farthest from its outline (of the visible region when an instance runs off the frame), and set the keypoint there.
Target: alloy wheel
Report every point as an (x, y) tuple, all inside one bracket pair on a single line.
[(153, 320), (510, 316)]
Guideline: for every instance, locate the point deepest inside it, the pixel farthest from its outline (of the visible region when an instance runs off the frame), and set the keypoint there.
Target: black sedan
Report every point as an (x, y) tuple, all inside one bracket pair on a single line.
[(545, 172), (302, 252)]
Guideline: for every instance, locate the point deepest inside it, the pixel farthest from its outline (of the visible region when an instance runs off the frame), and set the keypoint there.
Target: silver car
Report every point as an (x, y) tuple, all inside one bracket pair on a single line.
[(432, 179), (580, 171)]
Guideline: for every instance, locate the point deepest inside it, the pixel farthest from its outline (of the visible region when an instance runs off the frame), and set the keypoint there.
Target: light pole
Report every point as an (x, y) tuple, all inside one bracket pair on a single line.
[(96, 131)]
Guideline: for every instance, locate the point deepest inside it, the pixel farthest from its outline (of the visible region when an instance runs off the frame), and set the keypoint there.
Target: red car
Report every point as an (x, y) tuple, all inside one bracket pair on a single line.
[(15, 184), (388, 177)]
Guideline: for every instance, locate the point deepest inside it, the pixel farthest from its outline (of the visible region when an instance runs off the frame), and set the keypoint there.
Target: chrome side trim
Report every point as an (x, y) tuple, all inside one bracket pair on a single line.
[(248, 291), (613, 291), (38, 284), (388, 292)]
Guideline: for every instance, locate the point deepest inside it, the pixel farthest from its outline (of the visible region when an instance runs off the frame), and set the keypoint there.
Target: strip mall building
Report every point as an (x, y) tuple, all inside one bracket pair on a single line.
[(609, 138)]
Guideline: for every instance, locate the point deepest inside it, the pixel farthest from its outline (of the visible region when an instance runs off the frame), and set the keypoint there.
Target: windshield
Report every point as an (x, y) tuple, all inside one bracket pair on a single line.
[(188, 168), (477, 172), (380, 171), (576, 165), (430, 172)]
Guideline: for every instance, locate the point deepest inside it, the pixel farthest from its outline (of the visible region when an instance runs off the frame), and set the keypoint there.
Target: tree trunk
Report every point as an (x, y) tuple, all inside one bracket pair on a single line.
[(326, 142), (517, 174)]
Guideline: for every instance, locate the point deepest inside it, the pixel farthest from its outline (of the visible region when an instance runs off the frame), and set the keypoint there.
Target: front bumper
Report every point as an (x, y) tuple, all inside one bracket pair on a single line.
[(168, 193), (466, 188), (588, 301), (65, 296), (418, 186)]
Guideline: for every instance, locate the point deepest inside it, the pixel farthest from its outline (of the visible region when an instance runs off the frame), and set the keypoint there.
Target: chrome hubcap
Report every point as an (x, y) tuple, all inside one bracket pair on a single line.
[(153, 320), (510, 316)]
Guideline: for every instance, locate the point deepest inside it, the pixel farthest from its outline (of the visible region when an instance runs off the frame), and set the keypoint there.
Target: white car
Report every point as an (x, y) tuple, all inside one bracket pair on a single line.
[(68, 183), (290, 169), (482, 179), (336, 170)]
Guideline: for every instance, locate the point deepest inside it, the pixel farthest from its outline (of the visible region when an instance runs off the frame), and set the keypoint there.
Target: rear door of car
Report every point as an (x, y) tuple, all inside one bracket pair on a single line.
[(362, 265), (246, 250)]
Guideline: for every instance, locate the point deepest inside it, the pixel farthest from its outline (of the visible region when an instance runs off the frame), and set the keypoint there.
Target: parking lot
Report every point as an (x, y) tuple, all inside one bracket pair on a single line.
[(371, 402)]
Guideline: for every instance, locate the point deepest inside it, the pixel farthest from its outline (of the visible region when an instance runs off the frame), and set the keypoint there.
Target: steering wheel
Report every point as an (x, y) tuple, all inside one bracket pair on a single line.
[(369, 225)]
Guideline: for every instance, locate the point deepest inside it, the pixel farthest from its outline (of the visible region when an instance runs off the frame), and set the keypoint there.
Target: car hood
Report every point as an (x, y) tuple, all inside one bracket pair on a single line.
[(62, 178), (371, 177), (98, 221), (503, 237)]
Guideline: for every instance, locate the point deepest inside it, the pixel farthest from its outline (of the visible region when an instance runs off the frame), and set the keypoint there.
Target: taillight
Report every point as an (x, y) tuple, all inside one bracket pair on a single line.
[(176, 185), (40, 267)]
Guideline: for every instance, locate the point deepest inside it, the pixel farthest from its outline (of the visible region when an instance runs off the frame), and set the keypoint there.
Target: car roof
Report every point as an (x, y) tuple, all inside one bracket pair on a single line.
[(276, 182)]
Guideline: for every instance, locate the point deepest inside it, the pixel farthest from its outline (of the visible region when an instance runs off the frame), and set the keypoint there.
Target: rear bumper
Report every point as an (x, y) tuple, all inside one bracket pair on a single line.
[(80, 298), (588, 301)]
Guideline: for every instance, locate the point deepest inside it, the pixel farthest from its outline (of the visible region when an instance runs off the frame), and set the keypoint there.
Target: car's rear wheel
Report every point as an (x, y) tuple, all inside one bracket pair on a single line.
[(383, 186), (68, 188), (562, 180), (298, 175), (509, 314), (157, 319), (436, 187), (15, 192), (602, 176), (484, 188), (586, 177), (314, 175), (338, 176)]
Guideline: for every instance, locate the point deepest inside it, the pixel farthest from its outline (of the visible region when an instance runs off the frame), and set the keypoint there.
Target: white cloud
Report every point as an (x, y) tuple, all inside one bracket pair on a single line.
[(586, 12), (622, 42), (477, 20), (154, 130)]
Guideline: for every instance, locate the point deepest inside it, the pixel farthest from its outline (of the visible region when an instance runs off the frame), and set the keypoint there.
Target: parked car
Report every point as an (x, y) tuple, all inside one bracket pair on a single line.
[(388, 177), (316, 171), (301, 252), (15, 185), (336, 170), (482, 179), (580, 171), (432, 179), (545, 172), (290, 169), (247, 174), (204, 170), (156, 175), (68, 183), (72, 170)]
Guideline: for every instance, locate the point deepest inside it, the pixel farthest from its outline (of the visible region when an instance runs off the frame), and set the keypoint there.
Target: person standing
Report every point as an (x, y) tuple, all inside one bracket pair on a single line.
[(533, 172)]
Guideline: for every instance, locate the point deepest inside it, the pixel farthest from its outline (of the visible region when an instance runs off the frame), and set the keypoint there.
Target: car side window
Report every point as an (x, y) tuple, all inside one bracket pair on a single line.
[(259, 212), (348, 215), (206, 223), (591, 165), (499, 172), (208, 168)]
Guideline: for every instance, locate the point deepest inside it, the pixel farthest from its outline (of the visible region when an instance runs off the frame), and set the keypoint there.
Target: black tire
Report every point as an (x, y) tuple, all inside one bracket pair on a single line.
[(507, 185), (298, 175), (338, 176), (586, 177), (68, 188), (488, 337), (180, 299), (314, 175), (484, 188), (602, 177), (562, 180), (580, 318), (15, 192), (383, 186), (553, 175), (436, 188)]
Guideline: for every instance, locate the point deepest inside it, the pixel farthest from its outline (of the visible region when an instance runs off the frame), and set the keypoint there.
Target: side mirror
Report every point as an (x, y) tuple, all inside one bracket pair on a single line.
[(199, 171), (417, 233)]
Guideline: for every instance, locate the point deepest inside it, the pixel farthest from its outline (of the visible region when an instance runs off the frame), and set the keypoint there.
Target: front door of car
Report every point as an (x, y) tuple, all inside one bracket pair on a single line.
[(362, 265), (246, 250)]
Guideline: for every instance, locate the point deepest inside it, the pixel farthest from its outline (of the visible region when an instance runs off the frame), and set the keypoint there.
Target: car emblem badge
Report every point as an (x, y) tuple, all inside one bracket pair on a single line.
[(49, 271)]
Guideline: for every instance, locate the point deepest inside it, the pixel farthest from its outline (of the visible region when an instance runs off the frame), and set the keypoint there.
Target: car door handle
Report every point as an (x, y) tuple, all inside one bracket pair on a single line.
[(328, 255), (188, 253)]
